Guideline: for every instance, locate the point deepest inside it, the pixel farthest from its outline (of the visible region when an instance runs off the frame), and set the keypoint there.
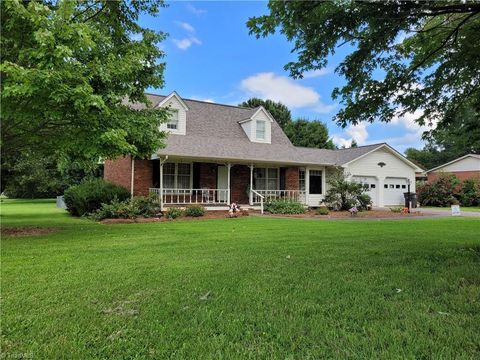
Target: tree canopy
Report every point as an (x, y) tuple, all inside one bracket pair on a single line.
[(66, 69), (279, 111), (419, 57), (309, 133)]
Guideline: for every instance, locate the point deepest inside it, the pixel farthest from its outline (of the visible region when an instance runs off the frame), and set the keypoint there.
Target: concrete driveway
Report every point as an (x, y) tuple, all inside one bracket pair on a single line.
[(447, 212)]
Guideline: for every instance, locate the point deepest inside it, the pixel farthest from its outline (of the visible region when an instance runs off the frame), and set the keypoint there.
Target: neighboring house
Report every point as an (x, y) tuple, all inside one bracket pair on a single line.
[(465, 167), (216, 154)]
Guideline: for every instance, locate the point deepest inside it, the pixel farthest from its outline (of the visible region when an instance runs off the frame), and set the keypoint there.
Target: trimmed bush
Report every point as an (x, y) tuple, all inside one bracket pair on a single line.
[(130, 209), (323, 210), (284, 207), (89, 196), (364, 202), (173, 213), (344, 194), (470, 192), (195, 211), (440, 192)]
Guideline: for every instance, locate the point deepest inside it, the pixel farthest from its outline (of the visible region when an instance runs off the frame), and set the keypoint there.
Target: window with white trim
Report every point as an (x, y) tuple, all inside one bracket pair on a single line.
[(266, 178), (261, 130), (172, 123), (177, 176), (315, 182), (301, 179)]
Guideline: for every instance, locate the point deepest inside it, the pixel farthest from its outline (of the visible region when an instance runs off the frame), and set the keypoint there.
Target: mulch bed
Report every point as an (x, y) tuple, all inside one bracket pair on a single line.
[(214, 214), (26, 231), (372, 214)]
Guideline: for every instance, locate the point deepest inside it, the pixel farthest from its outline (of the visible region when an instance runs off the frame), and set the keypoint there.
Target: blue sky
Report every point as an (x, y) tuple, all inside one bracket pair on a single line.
[(210, 56)]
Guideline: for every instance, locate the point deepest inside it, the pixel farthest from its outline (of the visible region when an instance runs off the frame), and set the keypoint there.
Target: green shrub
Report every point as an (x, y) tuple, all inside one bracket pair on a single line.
[(344, 194), (195, 211), (130, 209), (89, 196), (396, 209), (284, 207), (364, 202), (173, 213), (323, 210), (470, 192), (440, 192)]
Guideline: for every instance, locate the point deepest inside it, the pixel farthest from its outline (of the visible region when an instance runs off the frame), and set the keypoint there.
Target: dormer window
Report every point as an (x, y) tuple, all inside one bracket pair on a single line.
[(260, 132), (172, 123)]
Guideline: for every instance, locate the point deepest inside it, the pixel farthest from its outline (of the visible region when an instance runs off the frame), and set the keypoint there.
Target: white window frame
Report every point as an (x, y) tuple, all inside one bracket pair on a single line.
[(174, 115), (267, 178), (302, 182), (176, 176), (264, 124)]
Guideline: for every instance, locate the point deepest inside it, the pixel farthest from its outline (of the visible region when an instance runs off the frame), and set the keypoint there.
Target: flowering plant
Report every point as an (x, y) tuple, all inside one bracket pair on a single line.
[(353, 211)]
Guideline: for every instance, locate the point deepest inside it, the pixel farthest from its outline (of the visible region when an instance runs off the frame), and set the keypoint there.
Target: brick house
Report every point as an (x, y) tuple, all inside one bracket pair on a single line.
[(216, 154), (465, 167)]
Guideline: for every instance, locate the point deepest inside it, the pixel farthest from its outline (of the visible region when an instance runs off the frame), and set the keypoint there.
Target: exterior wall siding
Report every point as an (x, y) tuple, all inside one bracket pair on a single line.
[(464, 165), (173, 103), (291, 178), (208, 175), (239, 182), (143, 177)]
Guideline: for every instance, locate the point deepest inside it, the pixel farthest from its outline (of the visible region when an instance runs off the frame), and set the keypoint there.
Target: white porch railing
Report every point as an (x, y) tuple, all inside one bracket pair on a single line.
[(192, 196), (269, 195)]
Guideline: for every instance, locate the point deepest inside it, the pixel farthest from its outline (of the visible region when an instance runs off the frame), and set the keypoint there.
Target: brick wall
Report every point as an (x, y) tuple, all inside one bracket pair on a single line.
[(119, 171), (239, 181), (291, 178), (143, 177), (208, 175), (461, 175)]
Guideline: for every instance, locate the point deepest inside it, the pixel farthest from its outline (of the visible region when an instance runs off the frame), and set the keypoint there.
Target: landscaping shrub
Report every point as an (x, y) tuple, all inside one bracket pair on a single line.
[(343, 194), (323, 210), (284, 207), (364, 202), (195, 211), (173, 213), (470, 192), (89, 196), (130, 209), (440, 192)]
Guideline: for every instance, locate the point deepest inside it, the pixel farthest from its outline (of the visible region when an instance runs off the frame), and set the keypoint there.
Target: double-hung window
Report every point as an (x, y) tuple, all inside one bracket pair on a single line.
[(261, 130), (172, 123), (177, 176), (266, 178)]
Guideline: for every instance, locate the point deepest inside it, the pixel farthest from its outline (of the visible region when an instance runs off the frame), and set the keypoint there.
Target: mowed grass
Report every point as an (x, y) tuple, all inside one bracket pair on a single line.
[(240, 288)]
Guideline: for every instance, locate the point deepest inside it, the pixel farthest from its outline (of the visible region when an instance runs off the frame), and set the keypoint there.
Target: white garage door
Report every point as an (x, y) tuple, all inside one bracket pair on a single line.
[(372, 184), (393, 189)]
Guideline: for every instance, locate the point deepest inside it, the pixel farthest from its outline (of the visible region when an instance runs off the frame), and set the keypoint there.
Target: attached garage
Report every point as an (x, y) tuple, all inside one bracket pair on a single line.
[(386, 172), (393, 189)]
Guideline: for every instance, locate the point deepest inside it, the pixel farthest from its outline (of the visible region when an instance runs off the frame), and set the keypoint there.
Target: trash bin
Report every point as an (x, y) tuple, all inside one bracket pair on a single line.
[(410, 197)]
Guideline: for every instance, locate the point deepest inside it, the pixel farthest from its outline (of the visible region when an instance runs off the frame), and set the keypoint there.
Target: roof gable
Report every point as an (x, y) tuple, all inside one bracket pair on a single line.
[(173, 94), (475, 156)]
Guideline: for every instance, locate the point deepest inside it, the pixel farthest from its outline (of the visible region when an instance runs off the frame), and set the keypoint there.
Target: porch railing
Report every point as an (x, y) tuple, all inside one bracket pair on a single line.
[(192, 196), (269, 195)]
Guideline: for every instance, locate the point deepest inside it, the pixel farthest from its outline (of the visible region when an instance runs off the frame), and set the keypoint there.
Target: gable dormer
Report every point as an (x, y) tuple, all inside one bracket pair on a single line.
[(258, 127), (177, 121)]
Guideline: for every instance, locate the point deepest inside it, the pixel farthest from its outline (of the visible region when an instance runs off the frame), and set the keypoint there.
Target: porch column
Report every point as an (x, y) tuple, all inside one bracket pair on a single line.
[(250, 195), (161, 185), (132, 177), (228, 183)]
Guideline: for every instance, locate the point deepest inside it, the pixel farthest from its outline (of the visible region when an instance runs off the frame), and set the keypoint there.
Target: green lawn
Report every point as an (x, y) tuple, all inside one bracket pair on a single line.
[(240, 288)]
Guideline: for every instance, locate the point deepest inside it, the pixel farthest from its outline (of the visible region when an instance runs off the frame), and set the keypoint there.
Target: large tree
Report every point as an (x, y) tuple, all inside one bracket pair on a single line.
[(279, 111), (309, 133), (66, 69), (420, 57)]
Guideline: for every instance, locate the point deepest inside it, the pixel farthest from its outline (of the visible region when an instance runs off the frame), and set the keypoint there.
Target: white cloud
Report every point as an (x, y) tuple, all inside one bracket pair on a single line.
[(184, 44), (281, 88), (317, 73), (195, 10), (185, 26), (359, 133)]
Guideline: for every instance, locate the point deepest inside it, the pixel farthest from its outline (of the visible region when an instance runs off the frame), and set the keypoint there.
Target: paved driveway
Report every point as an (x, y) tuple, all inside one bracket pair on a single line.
[(448, 212)]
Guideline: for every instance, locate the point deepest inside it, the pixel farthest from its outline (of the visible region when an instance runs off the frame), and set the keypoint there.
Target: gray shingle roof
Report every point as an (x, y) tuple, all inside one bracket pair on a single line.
[(213, 131)]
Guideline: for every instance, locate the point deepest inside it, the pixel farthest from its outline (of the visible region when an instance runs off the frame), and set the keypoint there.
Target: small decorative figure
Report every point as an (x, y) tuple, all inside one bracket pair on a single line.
[(353, 211), (234, 210)]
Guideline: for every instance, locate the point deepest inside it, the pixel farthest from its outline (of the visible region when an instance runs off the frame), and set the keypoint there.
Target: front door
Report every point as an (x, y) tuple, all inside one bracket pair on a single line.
[(222, 183)]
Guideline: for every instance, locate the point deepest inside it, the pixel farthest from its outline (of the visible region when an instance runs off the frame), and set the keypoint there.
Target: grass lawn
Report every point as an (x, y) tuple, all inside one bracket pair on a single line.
[(240, 288), (462, 208)]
